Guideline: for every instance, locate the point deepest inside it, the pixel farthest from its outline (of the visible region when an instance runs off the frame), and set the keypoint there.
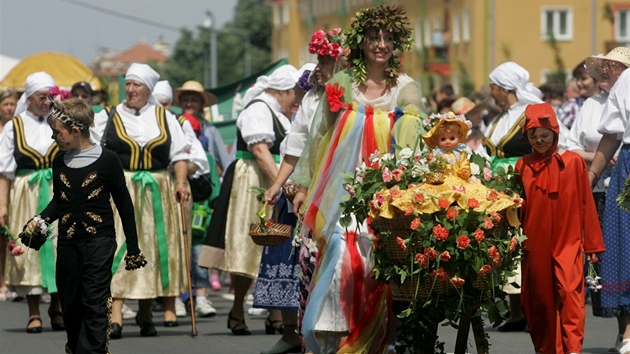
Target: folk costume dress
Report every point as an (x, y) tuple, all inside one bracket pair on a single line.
[(560, 221), (349, 311), (615, 292), (147, 143), (87, 242), (26, 155), (228, 246)]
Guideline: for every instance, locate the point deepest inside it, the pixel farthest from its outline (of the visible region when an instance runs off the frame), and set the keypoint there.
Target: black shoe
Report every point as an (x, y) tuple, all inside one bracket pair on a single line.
[(37, 329), (243, 331), (147, 329), (56, 326), (171, 323), (271, 327), (115, 331), (516, 326)]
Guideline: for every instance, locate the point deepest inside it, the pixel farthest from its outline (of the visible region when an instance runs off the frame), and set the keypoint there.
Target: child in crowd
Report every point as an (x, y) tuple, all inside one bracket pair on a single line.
[(84, 177), (561, 225)]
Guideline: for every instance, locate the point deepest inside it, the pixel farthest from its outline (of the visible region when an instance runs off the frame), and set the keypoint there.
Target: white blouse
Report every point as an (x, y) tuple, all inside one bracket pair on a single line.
[(616, 111), (296, 140), (584, 135), (256, 123)]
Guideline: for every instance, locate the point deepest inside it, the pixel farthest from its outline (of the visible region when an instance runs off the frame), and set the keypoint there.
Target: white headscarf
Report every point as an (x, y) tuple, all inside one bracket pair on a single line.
[(163, 91), (283, 78), (39, 81), (146, 75), (511, 76)]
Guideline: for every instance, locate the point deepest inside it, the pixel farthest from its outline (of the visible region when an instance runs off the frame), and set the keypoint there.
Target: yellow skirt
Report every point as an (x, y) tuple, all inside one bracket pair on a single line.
[(150, 282), (24, 272)]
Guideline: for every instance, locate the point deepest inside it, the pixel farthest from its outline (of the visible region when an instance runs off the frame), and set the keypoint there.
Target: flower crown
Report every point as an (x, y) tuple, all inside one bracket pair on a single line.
[(56, 111), (329, 44), (390, 18)]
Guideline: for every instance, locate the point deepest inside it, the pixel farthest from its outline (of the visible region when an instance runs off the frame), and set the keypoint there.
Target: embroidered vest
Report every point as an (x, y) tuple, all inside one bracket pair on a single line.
[(513, 144), (153, 156), (278, 130), (25, 156)]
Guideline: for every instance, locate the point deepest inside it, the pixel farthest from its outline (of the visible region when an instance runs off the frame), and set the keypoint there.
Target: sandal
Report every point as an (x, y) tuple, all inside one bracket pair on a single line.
[(242, 330), (271, 328), (56, 326), (36, 329)]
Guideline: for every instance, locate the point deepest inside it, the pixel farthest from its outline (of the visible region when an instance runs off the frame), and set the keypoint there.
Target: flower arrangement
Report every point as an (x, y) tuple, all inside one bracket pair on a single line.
[(327, 43), (592, 279), (16, 250), (447, 248), (35, 233)]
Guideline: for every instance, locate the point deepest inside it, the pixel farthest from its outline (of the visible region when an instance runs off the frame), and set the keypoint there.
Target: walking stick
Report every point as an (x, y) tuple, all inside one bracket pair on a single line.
[(187, 253)]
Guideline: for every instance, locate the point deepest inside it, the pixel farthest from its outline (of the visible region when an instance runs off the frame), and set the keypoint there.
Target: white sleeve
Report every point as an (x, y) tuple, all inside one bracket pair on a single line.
[(576, 134), (256, 124), (7, 147), (179, 141), (299, 128), (100, 122), (615, 113)]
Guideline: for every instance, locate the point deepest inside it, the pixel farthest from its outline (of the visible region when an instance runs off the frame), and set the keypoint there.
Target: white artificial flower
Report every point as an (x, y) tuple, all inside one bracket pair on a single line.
[(406, 153), (474, 169)]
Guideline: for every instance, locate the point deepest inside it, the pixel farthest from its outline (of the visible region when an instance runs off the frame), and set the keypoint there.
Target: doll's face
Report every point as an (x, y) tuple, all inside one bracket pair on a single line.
[(447, 139), (541, 139)]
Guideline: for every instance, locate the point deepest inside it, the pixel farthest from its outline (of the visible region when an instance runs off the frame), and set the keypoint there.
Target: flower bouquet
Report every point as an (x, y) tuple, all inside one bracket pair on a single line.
[(446, 247), (16, 250), (35, 233)]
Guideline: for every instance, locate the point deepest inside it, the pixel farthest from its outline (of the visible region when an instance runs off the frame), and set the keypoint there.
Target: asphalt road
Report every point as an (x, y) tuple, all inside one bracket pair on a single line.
[(214, 337)]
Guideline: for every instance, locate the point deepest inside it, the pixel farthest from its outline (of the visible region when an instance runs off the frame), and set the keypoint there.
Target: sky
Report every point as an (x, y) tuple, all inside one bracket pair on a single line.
[(75, 27)]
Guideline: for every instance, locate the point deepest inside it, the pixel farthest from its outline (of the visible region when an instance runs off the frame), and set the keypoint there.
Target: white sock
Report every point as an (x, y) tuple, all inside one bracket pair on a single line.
[(201, 299)]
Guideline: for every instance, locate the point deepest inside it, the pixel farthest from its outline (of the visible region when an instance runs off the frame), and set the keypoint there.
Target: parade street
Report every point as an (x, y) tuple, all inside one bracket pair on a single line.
[(214, 337)]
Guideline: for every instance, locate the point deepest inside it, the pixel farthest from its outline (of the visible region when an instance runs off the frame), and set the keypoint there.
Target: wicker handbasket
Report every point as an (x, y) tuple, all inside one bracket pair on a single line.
[(407, 290), (398, 226), (273, 235), (436, 177)]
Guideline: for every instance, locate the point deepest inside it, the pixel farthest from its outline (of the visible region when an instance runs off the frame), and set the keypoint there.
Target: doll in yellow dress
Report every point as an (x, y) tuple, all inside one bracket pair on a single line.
[(446, 139)]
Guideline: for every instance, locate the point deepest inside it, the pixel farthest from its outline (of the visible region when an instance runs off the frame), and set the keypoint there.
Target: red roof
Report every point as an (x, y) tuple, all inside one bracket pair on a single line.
[(140, 53)]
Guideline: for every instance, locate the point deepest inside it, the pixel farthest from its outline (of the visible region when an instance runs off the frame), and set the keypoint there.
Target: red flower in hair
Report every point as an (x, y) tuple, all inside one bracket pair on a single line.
[(334, 96)]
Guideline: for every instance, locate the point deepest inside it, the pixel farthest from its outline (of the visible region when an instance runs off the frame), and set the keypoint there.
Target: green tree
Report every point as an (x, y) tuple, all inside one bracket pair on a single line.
[(189, 59)]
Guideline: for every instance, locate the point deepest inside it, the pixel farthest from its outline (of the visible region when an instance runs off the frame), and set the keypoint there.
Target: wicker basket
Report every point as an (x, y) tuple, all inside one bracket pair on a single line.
[(272, 235), (436, 177), (399, 226), (407, 290)]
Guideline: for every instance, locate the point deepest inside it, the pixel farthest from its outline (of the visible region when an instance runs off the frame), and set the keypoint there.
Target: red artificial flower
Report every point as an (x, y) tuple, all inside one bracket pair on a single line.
[(452, 213), (401, 243), (473, 203), (415, 224), (430, 252), (440, 232), (445, 256), (397, 174), (457, 281), (496, 216), (422, 260), (479, 235), (269, 222), (484, 270), (334, 96), (487, 223), (494, 255), (394, 192), (443, 203), (408, 212), (492, 195), (439, 274), (418, 197), (463, 242), (513, 243), (374, 206)]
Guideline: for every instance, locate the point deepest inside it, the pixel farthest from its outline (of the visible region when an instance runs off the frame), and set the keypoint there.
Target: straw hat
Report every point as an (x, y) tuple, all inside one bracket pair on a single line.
[(463, 130), (467, 107), (619, 54), (194, 86)]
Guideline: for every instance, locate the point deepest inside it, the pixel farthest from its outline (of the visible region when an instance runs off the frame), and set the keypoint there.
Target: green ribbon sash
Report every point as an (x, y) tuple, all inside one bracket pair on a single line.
[(503, 162), (146, 178), (47, 252)]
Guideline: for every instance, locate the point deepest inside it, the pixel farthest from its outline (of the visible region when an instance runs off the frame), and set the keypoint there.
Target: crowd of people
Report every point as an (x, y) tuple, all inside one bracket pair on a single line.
[(298, 132)]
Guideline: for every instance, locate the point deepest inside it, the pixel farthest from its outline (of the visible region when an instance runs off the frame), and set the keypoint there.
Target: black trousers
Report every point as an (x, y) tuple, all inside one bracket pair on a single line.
[(84, 276)]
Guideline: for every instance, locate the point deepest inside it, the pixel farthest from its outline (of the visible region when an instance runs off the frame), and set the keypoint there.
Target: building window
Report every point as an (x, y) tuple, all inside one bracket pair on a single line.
[(427, 33), (622, 26), (557, 22), (456, 28), (466, 26)]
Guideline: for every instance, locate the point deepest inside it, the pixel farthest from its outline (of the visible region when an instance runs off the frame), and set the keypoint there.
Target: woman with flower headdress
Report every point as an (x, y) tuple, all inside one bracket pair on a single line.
[(348, 311), (612, 300), (328, 48), (26, 154)]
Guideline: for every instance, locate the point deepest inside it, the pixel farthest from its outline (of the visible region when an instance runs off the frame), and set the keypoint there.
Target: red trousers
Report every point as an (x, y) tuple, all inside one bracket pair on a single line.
[(553, 300)]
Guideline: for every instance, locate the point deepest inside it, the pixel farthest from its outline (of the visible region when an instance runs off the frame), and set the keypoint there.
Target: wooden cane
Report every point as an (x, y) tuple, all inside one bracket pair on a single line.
[(187, 253)]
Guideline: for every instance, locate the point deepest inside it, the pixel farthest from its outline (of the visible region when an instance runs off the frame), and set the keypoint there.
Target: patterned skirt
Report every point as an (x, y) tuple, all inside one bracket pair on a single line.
[(613, 300)]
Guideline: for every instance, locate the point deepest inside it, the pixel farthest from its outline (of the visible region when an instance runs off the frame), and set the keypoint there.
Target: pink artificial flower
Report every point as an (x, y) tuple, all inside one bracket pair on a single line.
[(415, 224), (430, 252), (445, 256), (350, 190), (387, 175), (479, 235), (513, 243), (494, 255), (422, 260), (17, 251), (463, 242), (487, 174), (457, 281), (487, 223), (473, 203), (408, 212), (401, 243), (439, 274)]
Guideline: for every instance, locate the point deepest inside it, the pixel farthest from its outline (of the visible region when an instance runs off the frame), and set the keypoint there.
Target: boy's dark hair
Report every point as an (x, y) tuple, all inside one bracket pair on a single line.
[(580, 69), (447, 89)]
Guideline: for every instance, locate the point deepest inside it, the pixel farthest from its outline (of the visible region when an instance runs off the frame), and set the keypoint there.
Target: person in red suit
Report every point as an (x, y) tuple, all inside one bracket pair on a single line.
[(560, 221)]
